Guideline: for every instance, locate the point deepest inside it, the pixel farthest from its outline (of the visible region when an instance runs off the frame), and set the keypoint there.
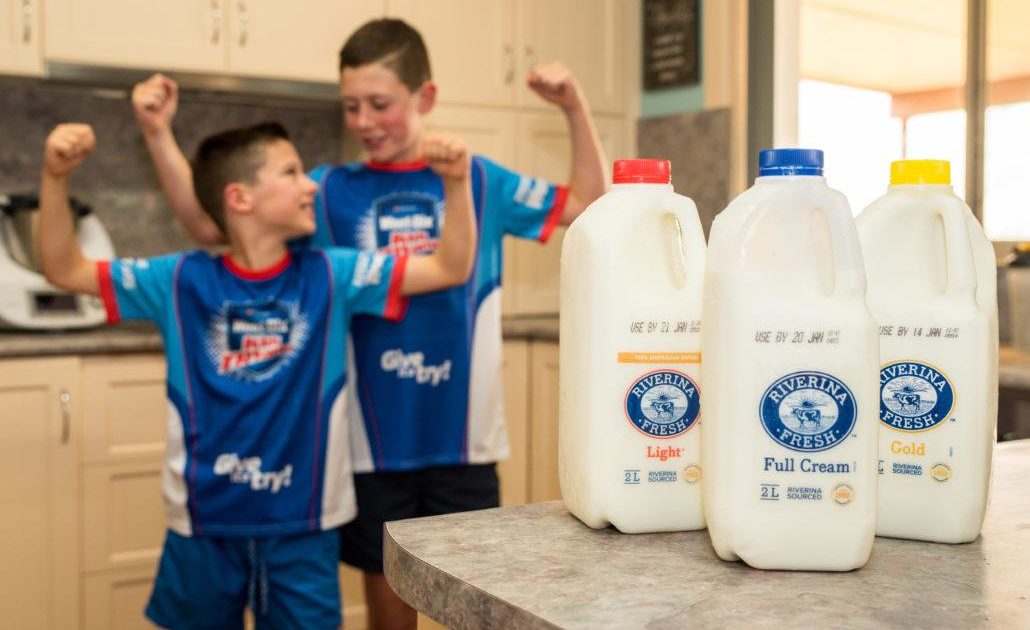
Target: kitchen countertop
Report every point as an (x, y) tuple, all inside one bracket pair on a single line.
[(536, 566)]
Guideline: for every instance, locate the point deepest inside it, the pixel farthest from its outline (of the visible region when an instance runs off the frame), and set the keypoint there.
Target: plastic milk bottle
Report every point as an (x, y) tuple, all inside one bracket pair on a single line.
[(632, 269), (933, 291), (790, 375)]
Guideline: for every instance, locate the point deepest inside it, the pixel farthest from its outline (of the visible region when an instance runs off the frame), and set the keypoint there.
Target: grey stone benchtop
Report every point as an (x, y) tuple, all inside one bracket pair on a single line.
[(119, 338), (536, 566)]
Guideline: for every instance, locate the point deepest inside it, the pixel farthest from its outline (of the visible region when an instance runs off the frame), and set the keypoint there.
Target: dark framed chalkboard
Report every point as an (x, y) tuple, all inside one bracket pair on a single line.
[(671, 43)]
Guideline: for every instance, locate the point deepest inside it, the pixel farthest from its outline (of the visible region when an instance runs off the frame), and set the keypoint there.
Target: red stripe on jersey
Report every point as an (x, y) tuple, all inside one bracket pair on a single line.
[(257, 274), (106, 286), (397, 167), (396, 304), (561, 196)]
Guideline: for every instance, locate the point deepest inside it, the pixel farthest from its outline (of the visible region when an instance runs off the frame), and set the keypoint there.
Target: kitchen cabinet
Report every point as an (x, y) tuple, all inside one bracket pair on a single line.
[(530, 474), (496, 43), (257, 38), (536, 144), (532, 270), (20, 37), (40, 423)]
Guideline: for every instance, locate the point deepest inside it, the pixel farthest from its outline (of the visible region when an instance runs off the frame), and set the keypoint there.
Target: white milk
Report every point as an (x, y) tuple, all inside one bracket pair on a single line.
[(790, 376), (932, 288), (632, 269)]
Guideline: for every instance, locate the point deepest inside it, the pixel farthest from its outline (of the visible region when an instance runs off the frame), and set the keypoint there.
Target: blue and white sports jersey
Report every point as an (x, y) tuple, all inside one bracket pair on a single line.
[(429, 390), (257, 442)]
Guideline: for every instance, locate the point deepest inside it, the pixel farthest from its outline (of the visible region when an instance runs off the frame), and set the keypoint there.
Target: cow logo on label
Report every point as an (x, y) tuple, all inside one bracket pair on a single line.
[(808, 411), (663, 404), (914, 396)]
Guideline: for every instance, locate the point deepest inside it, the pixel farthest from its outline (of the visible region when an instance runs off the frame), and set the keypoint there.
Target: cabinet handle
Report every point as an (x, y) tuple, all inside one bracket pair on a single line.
[(216, 22), (66, 415), (26, 21), (530, 57), (244, 23), (509, 58)]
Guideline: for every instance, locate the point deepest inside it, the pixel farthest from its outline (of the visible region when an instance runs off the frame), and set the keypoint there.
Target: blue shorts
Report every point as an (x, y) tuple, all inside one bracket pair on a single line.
[(286, 581)]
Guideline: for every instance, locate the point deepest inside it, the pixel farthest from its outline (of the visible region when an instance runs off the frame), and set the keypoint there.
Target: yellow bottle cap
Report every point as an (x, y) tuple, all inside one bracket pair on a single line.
[(920, 172)]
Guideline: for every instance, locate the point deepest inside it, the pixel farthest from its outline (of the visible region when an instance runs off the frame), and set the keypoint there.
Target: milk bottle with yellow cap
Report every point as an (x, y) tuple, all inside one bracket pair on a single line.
[(632, 269), (932, 289), (789, 375)]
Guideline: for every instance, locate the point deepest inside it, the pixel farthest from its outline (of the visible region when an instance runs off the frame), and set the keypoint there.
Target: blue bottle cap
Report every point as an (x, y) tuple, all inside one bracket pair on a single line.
[(790, 162)]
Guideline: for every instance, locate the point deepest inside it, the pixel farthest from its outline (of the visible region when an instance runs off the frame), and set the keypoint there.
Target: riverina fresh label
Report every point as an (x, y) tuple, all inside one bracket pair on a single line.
[(663, 404), (808, 411), (914, 396)]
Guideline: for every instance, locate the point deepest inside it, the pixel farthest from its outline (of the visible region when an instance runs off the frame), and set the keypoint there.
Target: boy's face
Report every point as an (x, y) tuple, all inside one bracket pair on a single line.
[(383, 113), (282, 195)]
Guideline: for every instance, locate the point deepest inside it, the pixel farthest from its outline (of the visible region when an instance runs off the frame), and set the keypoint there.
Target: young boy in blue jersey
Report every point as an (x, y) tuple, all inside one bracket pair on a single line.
[(257, 477), (428, 412)]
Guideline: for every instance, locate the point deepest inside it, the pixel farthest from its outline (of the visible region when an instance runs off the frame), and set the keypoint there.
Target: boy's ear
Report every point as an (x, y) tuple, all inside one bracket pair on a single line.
[(426, 97), (236, 197)]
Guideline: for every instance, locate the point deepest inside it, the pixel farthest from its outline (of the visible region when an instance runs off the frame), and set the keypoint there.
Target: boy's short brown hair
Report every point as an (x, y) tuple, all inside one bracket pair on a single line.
[(393, 43), (230, 156)]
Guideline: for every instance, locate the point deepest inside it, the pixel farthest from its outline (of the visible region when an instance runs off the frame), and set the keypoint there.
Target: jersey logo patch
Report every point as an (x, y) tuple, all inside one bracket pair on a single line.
[(254, 341), (406, 223)]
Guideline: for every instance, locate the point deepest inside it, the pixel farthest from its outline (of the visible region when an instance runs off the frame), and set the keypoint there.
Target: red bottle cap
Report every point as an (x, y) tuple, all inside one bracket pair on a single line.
[(642, 172)]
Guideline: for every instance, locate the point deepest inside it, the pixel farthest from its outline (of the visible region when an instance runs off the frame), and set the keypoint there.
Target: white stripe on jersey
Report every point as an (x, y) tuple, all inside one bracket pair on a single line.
[(173, 482), (522, 192), (339, 505), (538, 194), (487, 434), (360, 449)]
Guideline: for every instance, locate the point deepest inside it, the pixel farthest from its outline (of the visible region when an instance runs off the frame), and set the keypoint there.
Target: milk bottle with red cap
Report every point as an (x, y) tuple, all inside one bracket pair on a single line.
[(789, 375), (632, 269), (932, 289)]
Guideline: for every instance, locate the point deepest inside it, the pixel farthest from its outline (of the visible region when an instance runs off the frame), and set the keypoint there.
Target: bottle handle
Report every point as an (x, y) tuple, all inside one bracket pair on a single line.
[(848, 279), (679, 220), (958, 249)]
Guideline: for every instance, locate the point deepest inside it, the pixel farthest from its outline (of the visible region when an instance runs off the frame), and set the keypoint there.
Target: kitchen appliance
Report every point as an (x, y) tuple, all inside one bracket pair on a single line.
[(27, 300)]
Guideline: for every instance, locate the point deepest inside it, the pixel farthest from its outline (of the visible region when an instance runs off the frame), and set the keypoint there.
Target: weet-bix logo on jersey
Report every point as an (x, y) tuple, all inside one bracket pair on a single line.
[(406, 223), (253, 341)]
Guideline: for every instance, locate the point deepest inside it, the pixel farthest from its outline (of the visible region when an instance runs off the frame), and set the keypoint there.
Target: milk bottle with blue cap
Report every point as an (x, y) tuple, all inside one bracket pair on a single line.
[(632, 269), (932, 289), (789, 375)]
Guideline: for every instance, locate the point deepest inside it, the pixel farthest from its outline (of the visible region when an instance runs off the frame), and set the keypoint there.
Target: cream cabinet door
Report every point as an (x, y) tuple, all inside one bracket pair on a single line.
[(589, 36), (116, 599), (20, 37), (471, 46), (532, 271), (297, 40), (543, 464), (185, 35), (514, 471), (39, 441), (126, 405)]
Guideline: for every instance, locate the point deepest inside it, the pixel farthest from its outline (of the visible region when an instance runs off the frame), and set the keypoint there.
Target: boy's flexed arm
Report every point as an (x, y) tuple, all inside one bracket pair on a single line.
[(155, 102), (452, 262), (555, 83), (64, 264)]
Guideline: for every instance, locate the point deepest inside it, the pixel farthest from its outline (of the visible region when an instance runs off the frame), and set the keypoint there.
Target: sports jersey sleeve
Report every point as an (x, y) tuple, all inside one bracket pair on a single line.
[(528, 207), (323, 236), (137, 288), (370, 281)]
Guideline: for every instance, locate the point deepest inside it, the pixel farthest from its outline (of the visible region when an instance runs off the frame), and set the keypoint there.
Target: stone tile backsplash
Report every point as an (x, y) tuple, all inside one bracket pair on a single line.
[(118, 180)]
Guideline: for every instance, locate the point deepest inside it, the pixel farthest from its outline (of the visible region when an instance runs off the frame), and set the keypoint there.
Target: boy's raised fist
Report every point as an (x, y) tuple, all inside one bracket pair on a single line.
[(67, 146), (555, 83), (447, 155), (155, 102)]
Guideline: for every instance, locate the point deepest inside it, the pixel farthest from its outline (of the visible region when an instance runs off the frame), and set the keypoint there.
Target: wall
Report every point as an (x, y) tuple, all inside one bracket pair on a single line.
[(118, 180)]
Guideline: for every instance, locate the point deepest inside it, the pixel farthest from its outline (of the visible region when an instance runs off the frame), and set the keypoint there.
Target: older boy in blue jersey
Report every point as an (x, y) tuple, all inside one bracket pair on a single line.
[(258, 474), (428, 411)]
